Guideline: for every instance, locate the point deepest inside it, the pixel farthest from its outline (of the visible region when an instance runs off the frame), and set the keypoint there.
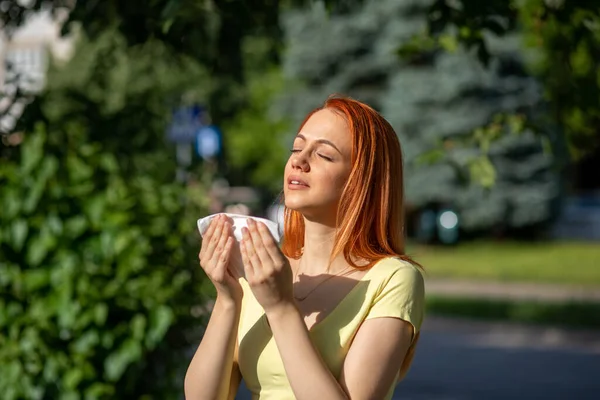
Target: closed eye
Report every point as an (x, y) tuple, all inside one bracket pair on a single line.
[(327, 158)]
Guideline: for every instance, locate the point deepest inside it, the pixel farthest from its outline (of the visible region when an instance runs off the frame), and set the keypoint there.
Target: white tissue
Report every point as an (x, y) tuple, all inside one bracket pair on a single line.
[(238, 222)]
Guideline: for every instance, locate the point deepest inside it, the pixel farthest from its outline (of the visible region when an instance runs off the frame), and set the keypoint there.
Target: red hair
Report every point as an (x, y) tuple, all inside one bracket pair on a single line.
[(370, 217)]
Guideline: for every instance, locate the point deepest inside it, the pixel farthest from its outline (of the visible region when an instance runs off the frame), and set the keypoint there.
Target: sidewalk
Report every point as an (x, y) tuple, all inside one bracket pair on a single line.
[(543, 292)]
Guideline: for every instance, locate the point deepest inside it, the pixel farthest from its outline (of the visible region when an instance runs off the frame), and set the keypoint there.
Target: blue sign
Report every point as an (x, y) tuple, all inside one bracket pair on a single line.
[(185, 123), (208, 141)]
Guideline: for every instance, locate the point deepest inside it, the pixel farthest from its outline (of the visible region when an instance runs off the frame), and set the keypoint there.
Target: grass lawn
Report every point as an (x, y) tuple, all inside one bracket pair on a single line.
[(551, 262)]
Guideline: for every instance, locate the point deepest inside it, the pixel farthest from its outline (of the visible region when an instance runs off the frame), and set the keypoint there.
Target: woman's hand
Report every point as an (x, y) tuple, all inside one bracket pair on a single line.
[(267, 270), (214, 259)]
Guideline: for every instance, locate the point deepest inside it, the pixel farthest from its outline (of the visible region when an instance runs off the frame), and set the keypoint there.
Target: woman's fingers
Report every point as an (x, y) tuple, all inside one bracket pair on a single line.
[(248, 267), (223, 257), (220, 246), (209, 234), (262, 255), (211, 243), (269, 243)]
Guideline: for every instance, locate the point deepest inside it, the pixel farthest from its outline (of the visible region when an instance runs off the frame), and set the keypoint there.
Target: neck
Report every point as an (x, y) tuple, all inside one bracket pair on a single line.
[(319, 239)]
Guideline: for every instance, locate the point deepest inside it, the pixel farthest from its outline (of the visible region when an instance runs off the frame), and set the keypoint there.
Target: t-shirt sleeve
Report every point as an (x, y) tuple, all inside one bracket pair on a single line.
[(401, 296)]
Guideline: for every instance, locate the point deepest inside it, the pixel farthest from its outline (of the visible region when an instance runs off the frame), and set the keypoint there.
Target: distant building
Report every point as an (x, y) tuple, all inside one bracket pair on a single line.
[(28, 51)]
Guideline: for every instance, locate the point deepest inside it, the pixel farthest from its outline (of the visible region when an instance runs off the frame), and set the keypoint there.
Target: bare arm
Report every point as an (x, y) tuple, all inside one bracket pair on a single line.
[(379, 347), (213, 372)]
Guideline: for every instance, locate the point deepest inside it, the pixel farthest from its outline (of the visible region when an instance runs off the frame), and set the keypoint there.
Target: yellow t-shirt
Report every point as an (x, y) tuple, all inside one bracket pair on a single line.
[(391, 288)]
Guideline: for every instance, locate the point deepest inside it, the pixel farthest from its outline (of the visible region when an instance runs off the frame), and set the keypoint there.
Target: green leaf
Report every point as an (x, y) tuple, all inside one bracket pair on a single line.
[(69, 395), (35, 279), (448, 43), (32, 151), (160, 320), (36, 251), (99, 391), (72, 378), (78, 170), (431, 157), (516, 123), (122, 241), (138, 326), (46, 170), (482, 171), (109, 163), (11, 204), (75, 226), (54, 224), (166, 26), (94, 209), (86, 342), (19, 230), (100, 313), (116, 363), (51, 368)]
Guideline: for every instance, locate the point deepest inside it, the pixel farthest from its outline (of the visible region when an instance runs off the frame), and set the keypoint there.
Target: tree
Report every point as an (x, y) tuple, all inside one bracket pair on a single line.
[(99, 275), (433, 98), (210, 32), (568, 36), (213, 33), (563, 33), (258, 136), (233, 45), (124, 95)]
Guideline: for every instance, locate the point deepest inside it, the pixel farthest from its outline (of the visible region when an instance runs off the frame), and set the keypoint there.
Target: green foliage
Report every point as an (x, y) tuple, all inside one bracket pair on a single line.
[(570, 314), (123, 95), (210, 32), (98, 265), (485, 125), (466, 131), (566, 34), (96, 273), (257, 139), (467, 22)]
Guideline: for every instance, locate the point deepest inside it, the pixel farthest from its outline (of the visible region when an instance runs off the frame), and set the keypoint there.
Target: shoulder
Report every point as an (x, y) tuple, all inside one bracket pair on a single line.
[(396, 270), (398, 291)]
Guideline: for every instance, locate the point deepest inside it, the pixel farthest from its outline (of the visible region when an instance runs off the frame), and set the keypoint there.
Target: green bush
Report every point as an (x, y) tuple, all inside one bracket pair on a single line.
[(98, 273)]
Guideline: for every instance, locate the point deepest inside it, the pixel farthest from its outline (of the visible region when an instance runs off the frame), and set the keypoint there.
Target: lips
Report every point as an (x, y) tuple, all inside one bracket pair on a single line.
[(297, 181)]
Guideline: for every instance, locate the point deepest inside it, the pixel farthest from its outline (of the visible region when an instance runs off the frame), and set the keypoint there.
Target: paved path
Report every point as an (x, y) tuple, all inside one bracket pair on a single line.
[(472, 360), (512, 291), (468, 360)]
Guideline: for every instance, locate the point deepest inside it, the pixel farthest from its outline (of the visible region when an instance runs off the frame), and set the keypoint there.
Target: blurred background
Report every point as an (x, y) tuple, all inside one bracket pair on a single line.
[(123, 122)]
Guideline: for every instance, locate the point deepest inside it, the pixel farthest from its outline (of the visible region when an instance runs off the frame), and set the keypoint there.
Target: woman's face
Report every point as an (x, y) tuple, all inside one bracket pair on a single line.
[(319, 165)]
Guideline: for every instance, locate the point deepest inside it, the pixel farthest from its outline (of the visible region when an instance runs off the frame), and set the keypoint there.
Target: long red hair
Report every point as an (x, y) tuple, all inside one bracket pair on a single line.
[(370, 216)]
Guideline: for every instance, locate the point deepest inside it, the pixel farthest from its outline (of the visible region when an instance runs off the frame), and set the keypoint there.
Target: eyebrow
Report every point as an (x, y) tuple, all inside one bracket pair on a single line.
[(323, 141)]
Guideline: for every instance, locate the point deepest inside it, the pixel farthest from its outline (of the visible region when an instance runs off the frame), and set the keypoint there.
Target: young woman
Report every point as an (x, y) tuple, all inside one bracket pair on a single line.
[(335, 311)]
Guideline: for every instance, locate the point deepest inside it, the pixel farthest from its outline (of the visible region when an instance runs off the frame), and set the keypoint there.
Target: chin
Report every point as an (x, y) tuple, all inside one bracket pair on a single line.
[(312, 212), (295, 204), (298, 203)]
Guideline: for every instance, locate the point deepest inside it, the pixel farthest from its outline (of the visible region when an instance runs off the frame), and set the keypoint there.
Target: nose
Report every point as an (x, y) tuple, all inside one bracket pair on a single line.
[(299, 161)]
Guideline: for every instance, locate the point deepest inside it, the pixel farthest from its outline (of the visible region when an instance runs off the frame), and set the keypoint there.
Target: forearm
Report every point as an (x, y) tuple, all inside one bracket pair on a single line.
[(307, 373), (209, 373)]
